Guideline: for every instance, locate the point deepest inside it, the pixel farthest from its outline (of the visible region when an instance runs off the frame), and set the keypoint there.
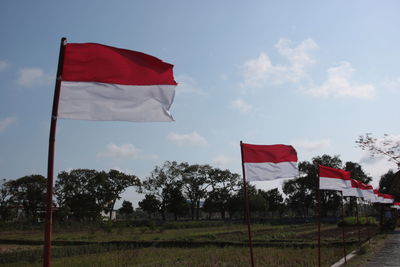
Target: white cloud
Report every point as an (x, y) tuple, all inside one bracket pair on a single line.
[(309, 145), (125, 151), (4, 65), (340, 83), (187, 139), (187, 84), (222, 161), (241, 106), (6, 122), (259, 71), (30, 77)]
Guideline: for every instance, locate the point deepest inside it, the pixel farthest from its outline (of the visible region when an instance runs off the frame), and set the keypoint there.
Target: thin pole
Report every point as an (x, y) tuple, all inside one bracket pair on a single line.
[(319, 218), (368, 222), (50, 166), (246, 207), (343, 235), (358, 225)]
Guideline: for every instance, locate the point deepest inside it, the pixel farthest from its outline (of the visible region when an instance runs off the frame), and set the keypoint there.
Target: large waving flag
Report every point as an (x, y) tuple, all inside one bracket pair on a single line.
[(269, 162), (100, 82), (333, 179)]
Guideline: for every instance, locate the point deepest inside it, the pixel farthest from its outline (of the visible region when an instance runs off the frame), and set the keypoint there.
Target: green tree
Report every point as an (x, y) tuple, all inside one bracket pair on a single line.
[(390, 184), (114, 185), (86, 192), (160, 181), (175, 200), (5, 201), (223, 185), (126, 209), (301, 192), (274, 199), (257, 202), (357, 172), (150, 204), (29, 192), (196, 179), (79, 192)]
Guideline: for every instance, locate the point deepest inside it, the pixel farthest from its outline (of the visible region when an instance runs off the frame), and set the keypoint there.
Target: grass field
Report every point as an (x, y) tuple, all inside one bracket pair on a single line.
[(189, 245)]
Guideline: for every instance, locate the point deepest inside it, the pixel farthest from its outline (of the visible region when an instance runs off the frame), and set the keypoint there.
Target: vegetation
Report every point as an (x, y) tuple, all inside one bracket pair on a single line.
[(203, 243)]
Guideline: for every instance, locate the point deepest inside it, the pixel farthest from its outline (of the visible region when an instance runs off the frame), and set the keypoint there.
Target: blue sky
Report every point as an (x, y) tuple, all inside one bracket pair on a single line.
[(314, 74)]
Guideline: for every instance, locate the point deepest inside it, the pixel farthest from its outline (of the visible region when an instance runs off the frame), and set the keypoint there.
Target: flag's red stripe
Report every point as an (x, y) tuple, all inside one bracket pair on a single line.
[(333, 173), (268, 153), (92, 62)]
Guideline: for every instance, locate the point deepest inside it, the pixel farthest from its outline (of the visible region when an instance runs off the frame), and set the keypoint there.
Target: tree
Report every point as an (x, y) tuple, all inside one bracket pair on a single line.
[(5, 199), (114, 185), (223, 184), (274, 199), (388, 146), (257, 202), (28, 192), (161, 180), (87, 192), (301, 191), (175, 201), (79, 192), (196, 180), (357, 172), (150, 204), (126, 208), (390, 184)]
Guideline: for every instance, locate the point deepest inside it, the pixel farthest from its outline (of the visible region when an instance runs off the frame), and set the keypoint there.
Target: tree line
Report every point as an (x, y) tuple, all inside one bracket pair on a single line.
[(179, 191)]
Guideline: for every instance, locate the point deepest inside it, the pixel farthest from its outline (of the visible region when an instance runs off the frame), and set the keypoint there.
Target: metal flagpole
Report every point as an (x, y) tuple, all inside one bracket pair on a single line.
[(319, 218), (50, 166), (246, 207), (343, 235), (358, 224), (368, 222)]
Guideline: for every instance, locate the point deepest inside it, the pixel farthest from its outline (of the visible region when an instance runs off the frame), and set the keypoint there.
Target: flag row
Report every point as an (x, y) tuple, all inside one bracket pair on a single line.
[(270, 162), (340, 180)]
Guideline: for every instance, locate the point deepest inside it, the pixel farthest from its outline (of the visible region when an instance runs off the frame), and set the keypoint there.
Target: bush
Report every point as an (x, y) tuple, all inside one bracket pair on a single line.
[(363, 221)]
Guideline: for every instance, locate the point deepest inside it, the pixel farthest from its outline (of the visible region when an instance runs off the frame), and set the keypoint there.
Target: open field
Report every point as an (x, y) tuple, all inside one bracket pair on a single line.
[(191, 244)]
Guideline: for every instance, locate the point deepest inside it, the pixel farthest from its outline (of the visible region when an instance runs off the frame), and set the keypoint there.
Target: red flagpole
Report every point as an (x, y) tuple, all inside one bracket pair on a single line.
[(50, 166), (319, 218), (246, 207), (343, 235), (358, 225)]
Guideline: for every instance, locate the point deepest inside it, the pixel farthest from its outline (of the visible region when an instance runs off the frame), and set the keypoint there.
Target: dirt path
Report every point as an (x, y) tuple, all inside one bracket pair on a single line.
[(389, 255)]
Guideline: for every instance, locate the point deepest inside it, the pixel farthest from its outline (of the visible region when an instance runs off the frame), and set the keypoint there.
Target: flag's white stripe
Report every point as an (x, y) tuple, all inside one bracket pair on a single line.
[(114, 102), (352, 192), (270, 171), (326, 183), (371, 196), (388, 200)]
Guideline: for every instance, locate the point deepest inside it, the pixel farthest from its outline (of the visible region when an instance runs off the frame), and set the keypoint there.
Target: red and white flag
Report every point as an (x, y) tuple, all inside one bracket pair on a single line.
[(373, 198), (396, 205), (354, 190), (101, 82), (388, 199), (333, 179), (269, 162), (379, 196)]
